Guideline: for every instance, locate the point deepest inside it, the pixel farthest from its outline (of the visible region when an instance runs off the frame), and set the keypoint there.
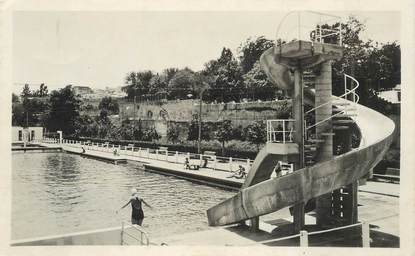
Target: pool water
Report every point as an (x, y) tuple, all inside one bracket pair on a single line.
[(57, 193)]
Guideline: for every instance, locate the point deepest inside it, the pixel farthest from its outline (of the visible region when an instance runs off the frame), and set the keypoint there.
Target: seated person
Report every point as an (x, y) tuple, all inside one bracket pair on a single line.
[(239, 174), (278, 169), (83, 150), (205, 162)]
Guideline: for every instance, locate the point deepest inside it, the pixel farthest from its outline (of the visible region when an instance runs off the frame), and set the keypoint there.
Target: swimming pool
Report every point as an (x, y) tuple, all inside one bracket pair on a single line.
[(57, 193)]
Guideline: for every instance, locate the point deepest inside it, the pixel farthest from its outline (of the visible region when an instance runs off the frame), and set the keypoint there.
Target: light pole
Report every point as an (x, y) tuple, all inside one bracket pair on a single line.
[(200, 121), (135, 95), (199, 137)]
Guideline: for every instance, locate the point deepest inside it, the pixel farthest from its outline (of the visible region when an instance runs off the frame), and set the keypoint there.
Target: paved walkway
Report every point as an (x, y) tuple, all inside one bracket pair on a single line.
[(380, 211), (381, 188)]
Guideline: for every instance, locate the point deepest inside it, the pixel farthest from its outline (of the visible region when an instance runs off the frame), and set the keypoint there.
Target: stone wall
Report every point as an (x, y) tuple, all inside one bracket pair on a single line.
[(181, 112), (185, 110)]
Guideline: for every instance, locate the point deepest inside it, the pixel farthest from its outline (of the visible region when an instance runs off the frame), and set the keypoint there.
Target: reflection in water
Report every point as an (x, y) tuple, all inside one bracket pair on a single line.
[(55, 193)]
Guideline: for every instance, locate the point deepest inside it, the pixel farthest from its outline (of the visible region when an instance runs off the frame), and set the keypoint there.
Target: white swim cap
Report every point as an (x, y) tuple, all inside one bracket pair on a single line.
[(133, 191)]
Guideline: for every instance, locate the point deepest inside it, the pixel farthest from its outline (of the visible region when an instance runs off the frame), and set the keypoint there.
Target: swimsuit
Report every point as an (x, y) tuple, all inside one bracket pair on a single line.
[(137, 214)]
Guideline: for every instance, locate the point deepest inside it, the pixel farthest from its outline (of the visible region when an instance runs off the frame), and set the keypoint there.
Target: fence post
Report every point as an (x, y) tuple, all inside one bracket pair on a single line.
[(365, 234), (230, 163), (303, 238), (148, 153), (139, 151), (214, 162), (157, 154), (248, 164), (132, 150), (283, 131), (167, 155), (188, 156), (176, 157)]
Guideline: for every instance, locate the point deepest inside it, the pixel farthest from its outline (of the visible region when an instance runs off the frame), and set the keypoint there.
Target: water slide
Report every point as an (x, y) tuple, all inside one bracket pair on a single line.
[(261, 195)]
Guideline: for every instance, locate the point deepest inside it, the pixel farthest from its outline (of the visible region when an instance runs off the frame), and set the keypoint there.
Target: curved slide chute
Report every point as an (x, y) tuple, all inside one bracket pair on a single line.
[(261, 195)]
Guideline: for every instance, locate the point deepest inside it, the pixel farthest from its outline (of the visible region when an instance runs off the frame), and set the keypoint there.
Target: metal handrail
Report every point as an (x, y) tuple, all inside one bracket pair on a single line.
[(365, 235), (142, 232), (344, 96), (319, 35), (334, 229), (271, 132), (169, 156), (347, 92)]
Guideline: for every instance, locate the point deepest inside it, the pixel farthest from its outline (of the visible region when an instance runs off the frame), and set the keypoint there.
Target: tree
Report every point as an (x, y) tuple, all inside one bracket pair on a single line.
[(18, 114), (35, 111), (173, 132), (224, 133), (182, 84), (256, 133), (86, 126), (169, 73), (64, 110), (26, 92), (137, 83), (130, 85), (383, 66), (158, 84), (110, 105), (151, 134), (193, 133), (250, 51), (15, 98), (224, 77), (373, 66), (42, 91), (257, 84)]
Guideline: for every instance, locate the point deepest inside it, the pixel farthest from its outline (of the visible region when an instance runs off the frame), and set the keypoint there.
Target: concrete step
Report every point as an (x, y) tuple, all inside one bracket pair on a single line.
[(341, 103), (343, 121), (344, 115), (327, 134), (340, 127), (316, 140)]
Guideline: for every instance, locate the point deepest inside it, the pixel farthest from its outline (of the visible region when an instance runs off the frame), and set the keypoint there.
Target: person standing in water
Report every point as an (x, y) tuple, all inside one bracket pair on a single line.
[(137, 213)]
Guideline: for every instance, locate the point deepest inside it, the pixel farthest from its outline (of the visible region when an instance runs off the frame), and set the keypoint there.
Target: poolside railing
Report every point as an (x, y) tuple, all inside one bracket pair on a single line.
[(143, 238), (280, 130), (304, 235), (218, 163)]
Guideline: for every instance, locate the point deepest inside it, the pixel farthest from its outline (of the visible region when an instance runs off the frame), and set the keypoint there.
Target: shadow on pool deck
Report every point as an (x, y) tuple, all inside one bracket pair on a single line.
[(340, 238)]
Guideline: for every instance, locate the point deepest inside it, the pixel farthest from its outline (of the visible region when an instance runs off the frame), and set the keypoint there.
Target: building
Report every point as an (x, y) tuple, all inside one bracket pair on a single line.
[(80, 90), (20, 134), (392, 96)]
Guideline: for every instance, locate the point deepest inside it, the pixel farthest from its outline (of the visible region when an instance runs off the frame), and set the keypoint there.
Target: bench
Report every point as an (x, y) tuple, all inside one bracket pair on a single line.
[(209, 155), (129, 146)]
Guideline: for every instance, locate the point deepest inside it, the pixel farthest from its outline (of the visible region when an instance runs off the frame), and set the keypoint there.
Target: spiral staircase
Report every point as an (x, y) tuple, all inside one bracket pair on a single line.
[(323, 172)]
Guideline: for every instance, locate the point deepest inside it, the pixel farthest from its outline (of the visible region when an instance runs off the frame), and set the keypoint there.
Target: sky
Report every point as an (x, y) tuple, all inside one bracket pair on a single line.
[(97, 49)]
